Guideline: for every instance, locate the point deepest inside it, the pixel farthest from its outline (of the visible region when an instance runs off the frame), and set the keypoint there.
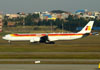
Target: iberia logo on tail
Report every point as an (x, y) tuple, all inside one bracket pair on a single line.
[(88, 28)]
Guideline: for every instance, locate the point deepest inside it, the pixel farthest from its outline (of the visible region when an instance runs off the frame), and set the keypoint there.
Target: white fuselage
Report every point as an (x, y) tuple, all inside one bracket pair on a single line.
[(37, 37)]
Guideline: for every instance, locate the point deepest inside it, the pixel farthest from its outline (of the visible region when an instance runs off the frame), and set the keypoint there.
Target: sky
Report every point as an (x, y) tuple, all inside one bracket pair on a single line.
[(29, 6)]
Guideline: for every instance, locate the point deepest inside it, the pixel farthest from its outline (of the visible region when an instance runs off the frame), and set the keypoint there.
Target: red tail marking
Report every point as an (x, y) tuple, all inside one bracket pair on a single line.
[(86, 28)]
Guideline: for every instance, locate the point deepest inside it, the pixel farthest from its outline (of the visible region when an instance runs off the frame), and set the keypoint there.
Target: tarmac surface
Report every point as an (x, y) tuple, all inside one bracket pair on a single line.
[(49, 67), (15, 43)]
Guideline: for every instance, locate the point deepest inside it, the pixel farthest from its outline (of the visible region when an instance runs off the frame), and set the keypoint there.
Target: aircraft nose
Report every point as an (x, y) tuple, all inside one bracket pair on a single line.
[(4, 37)]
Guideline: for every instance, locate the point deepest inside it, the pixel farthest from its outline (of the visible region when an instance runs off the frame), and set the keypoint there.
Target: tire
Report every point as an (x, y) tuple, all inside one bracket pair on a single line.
[(51, 42)]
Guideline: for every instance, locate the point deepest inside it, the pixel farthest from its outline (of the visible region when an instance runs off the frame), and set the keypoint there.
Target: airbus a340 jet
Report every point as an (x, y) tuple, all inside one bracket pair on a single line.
[(49, 37)]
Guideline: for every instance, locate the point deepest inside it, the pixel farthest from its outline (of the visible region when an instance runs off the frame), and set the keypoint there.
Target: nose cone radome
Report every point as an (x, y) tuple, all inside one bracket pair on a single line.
[(3, 37)]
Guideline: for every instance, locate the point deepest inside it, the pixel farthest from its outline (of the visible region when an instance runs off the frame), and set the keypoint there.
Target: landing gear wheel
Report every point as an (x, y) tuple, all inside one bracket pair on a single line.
[(9, 42), (50, 42)]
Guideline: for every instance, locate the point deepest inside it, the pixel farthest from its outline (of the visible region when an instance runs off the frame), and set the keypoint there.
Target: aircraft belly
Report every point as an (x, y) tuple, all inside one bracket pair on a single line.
[(59, 38), (20, 38), (75, 37), (64, 37), (54, 38)]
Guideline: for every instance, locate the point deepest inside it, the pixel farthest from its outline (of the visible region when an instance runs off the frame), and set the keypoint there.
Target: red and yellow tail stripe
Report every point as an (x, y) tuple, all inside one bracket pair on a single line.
[(88, 28)]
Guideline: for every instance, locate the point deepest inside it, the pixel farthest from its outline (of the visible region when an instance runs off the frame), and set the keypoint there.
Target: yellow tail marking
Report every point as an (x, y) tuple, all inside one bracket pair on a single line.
[(99, 66)]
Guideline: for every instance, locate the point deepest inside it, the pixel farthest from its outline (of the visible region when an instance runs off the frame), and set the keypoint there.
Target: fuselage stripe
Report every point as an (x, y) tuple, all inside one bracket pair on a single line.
[(40, 35)]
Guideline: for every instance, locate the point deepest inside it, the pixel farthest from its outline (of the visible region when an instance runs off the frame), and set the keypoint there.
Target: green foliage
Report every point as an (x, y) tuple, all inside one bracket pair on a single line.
[(34, 19), (35, 16), (58, 11), (28, 20)]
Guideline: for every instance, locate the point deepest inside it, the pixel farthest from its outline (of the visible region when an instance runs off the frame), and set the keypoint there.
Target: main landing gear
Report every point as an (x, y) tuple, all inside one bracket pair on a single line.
[(45, 39), (50, 42)]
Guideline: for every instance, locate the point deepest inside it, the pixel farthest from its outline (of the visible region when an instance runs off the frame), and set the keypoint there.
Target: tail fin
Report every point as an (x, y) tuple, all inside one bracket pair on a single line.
[(87, 28)]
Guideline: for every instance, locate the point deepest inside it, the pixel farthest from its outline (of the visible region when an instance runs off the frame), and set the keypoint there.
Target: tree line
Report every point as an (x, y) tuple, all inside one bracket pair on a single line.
[(70, 23)]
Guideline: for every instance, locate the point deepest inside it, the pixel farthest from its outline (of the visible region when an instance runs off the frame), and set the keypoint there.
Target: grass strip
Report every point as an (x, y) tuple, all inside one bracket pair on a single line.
[(51, 56)]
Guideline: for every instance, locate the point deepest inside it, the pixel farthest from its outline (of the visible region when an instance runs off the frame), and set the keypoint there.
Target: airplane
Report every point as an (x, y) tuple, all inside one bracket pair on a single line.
[(49, 38)]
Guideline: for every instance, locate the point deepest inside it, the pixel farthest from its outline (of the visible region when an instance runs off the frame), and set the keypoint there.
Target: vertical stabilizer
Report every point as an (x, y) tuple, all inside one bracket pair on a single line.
[(87, 28)]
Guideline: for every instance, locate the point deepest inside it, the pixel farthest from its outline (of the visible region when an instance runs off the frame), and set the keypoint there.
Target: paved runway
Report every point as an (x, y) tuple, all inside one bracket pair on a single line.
[(48, 67)]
